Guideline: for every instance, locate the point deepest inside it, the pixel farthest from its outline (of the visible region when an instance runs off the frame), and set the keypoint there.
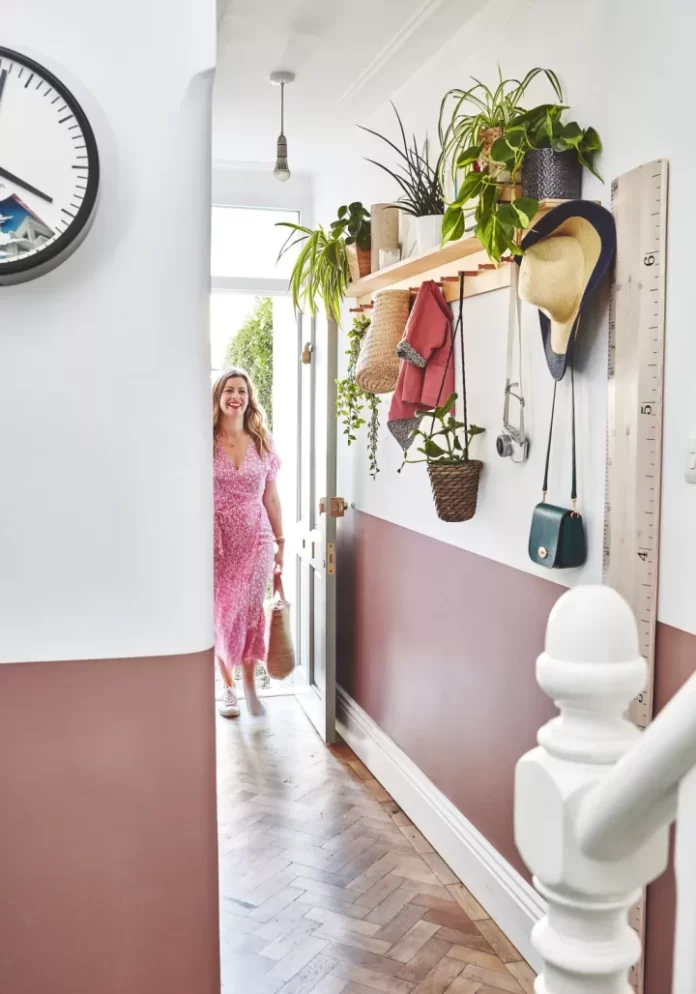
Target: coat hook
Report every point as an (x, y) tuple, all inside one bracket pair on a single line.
[(449, 279)]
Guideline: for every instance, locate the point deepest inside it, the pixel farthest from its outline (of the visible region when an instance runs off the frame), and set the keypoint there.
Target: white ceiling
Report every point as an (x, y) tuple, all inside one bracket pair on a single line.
[(349, 55)]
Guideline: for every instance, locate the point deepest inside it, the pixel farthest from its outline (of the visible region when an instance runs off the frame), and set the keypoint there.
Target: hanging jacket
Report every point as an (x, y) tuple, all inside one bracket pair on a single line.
[(426, 374)]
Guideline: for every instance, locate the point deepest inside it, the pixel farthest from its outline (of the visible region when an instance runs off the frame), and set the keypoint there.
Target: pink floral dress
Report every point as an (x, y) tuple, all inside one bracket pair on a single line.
[(244, 553)]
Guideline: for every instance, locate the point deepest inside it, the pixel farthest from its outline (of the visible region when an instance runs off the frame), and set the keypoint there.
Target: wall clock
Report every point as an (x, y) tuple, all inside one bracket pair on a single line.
[(49, 170)]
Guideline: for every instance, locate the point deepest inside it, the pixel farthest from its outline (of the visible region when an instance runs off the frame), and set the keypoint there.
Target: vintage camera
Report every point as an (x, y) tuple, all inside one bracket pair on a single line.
[(512, 443)]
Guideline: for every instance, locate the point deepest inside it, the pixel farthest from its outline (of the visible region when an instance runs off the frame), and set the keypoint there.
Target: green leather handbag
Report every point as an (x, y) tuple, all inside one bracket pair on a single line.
[(557, 536)]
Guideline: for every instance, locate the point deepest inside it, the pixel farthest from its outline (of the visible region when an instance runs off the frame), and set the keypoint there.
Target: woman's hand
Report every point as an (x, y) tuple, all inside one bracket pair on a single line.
[(280, 558)]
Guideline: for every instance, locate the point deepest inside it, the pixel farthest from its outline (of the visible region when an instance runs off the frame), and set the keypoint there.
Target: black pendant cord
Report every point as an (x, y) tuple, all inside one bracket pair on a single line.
[(574, 479)]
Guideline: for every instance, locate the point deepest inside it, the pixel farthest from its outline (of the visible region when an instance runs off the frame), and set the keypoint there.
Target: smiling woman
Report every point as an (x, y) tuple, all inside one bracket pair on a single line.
[(49, 170)]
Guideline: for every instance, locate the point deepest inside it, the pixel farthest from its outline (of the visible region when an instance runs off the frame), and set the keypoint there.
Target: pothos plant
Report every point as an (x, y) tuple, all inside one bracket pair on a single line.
[(350, 399), (447, 440), (489, 146)]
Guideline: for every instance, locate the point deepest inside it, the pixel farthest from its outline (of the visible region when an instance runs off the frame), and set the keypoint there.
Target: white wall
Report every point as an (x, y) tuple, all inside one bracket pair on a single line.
[(105, 503), (253, 185), (626, 69)]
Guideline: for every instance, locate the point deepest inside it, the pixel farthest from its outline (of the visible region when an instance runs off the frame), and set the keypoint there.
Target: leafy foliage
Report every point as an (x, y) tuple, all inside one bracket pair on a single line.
[(419, 181), (452, 445), (321, 270), (485, 165), (353, 224), (252, 349), (350, 399)]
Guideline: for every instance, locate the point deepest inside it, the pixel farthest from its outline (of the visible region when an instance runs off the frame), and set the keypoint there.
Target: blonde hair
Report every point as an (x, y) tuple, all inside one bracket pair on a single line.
[(254, 416)]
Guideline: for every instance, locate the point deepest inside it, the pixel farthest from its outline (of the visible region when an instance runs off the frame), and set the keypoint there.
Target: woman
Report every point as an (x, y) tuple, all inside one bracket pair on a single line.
[(247, 523)]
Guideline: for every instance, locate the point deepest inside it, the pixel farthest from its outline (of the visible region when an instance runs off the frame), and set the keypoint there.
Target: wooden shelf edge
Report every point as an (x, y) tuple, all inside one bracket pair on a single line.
[(416, 265)]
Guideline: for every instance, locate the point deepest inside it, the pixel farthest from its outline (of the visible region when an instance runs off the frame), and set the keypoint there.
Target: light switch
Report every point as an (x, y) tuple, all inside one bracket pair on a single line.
[(691, 461)]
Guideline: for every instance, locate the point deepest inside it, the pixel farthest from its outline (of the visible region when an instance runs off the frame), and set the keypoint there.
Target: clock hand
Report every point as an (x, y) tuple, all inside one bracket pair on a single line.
[(3, 77), (4, 174)]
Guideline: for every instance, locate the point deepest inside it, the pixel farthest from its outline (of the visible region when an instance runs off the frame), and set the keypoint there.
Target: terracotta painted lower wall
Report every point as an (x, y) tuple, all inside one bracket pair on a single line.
[(108, 844), (439, 647)]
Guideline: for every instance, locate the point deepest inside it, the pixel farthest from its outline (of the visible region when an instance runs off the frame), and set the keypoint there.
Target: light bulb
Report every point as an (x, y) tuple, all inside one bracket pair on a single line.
[(282, 170)]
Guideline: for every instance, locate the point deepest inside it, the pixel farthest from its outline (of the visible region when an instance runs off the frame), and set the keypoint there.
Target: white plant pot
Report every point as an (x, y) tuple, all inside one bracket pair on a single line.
[(429, 232)]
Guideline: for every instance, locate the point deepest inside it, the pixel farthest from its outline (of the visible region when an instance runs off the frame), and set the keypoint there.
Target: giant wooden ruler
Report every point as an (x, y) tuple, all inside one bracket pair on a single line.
[(634, 418)]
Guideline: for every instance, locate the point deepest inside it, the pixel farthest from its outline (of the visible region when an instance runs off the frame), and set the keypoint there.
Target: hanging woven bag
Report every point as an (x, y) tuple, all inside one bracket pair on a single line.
[(378, 365), (280, 660)]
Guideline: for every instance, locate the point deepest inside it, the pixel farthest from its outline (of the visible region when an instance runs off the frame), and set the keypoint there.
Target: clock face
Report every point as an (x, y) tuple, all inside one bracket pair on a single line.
[(49, 170)]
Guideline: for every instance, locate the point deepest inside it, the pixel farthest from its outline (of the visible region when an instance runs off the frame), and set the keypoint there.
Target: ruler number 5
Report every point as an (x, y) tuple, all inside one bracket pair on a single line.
[(649, 260)]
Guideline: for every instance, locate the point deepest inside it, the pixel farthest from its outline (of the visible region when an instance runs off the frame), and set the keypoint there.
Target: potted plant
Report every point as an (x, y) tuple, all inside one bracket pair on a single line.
[(553, 152), (321, 269), (350, 399), (420, 183), (353, 225), (454, 477), (502, 135)]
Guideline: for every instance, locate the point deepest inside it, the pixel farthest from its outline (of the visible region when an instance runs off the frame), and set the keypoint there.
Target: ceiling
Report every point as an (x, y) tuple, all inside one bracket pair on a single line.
[(348, 55)]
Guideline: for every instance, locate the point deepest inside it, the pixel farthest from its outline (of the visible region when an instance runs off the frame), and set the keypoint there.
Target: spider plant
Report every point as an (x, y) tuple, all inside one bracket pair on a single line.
[(479, 115), (419, 181), (321, 270)]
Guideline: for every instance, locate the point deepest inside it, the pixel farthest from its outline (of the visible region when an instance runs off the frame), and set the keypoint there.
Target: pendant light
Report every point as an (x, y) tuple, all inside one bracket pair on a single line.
[(282, 170)]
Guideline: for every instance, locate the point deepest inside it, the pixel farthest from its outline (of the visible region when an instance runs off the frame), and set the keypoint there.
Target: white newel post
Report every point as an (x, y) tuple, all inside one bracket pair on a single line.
[(592, 668)]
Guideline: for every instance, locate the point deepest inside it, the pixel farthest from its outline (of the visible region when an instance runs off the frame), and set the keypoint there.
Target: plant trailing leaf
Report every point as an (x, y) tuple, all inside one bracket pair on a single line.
[(420, 184), (350, 399)]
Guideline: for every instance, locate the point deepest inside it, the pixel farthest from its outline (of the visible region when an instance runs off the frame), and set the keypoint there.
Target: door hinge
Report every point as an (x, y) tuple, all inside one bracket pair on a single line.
[(331, 559)]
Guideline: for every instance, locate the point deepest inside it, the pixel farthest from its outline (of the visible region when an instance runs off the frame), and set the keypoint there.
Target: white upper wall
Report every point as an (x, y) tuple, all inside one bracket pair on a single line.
[(626, 69), (105, 504)]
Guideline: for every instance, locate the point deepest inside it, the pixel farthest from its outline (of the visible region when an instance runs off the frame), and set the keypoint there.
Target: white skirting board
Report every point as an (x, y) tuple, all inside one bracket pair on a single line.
[(510, 901)]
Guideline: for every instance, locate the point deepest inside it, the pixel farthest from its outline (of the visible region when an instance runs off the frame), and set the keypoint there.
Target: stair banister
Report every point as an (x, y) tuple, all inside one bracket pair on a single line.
[(594, 801)]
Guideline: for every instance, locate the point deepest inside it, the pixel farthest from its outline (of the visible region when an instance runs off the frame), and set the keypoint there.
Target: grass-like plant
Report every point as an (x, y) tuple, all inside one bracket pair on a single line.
[(420, 182)]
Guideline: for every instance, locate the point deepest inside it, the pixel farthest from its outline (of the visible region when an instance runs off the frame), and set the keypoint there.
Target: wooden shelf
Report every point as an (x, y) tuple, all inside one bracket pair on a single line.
[(443, 262)]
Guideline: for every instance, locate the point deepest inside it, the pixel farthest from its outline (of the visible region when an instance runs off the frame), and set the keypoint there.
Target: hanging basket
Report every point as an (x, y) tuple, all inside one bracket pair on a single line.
[(377, 368), (455, 488)]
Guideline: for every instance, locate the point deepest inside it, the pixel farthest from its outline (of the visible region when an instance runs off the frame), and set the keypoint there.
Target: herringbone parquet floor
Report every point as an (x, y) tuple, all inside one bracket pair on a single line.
[(325, 885)]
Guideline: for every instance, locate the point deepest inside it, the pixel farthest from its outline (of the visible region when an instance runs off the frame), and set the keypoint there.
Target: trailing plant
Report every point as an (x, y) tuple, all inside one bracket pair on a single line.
[(350, 399), (466, 115), (353, 225), (321, 269), (420, 182), (489, 147), (542, 127), (452, 445)]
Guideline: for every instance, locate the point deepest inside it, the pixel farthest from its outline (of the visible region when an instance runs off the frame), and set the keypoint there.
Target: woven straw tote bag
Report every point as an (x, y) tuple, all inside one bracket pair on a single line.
[(280, 660), (378, 364)]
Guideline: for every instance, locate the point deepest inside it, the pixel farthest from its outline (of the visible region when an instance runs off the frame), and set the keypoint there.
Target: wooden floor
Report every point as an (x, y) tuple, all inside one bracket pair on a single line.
[(327, 887)]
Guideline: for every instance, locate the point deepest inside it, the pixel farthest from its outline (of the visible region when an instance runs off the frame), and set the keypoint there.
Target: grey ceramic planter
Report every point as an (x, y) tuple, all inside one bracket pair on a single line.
[(549, 175)]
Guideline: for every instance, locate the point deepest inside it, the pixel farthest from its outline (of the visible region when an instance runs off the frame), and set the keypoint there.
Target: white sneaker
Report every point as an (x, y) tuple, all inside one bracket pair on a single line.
[(229, 705)]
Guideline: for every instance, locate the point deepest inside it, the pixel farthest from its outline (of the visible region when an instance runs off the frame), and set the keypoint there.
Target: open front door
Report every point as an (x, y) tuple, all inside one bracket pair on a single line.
[(316, 536)]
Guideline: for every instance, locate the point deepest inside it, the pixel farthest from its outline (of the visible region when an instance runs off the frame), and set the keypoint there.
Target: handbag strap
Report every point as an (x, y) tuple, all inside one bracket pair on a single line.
[(514, 333), (574, 478), (278, 584)]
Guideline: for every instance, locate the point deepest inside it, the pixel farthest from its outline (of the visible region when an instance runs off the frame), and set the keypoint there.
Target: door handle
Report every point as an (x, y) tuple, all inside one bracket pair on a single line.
[(307, 353), (337, 507)]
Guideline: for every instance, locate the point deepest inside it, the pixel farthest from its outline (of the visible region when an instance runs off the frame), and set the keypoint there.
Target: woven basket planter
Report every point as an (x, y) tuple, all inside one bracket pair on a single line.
[(377, 369), (549, 175), (455, 488)]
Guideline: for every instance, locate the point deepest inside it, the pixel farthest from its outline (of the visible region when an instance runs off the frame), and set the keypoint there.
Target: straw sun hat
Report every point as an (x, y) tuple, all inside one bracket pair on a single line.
[(564, 258)]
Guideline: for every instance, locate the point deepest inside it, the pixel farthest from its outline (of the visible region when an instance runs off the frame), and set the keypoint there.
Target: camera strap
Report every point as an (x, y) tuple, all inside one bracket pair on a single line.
[(514, 338)]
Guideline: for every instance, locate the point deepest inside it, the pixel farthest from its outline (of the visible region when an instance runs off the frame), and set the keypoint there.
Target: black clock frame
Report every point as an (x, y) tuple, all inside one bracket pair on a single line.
[(48, 258)]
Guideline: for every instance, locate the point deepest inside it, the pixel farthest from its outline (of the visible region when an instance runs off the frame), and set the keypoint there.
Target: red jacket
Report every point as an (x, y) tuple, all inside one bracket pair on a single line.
[(426, 376)]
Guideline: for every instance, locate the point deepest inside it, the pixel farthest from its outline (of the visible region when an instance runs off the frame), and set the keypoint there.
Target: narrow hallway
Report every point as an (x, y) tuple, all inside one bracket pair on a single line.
[(325, 885)]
